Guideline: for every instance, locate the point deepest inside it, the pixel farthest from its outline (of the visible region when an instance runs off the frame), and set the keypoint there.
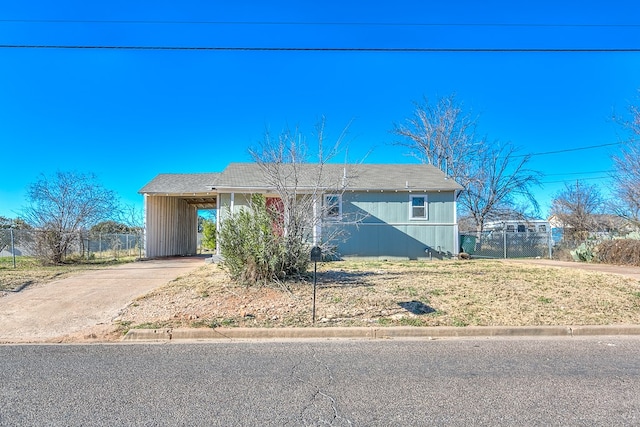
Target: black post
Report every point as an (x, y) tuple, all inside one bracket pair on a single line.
[(315, 269), (316, 255)]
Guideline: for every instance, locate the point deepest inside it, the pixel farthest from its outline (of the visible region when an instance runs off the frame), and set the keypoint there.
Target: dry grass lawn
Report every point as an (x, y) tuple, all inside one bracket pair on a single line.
[(29, 271), (350, 293)]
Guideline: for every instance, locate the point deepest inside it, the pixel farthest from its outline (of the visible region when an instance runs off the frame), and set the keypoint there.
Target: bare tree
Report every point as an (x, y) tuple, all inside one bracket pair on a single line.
[(61, 206), (627, 183), (443, 135), (495, 178), (285, 226), (302, 185), (576, 207), (627, 173), (497, 182)]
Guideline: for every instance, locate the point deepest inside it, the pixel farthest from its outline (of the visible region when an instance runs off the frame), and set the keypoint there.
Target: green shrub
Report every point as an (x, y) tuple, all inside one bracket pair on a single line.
[(258, 248), (209, 234), (583, 252)]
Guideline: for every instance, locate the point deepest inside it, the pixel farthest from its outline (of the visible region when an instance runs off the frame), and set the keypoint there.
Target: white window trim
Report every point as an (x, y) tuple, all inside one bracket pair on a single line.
[(326, 205), (426, 207)]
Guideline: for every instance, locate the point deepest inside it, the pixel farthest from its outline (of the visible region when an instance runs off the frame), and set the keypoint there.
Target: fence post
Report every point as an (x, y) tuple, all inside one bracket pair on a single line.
[(504, 241), (549, 243), (13, 249)]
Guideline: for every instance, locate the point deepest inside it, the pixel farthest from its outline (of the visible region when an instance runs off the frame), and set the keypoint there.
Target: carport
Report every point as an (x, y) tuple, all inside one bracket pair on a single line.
[(171, 204)]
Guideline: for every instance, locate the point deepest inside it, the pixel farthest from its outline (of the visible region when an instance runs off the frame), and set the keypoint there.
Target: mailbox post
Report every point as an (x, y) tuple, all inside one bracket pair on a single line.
[(316, 255)]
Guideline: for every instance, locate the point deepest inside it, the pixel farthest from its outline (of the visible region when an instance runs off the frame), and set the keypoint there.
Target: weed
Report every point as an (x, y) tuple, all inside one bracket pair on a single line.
[(150, 325), (123, 326), (544, 300), (205, 324), (411, 321), (384, 321), (228, 322), (436, 292), (459, 323), (636, 294)]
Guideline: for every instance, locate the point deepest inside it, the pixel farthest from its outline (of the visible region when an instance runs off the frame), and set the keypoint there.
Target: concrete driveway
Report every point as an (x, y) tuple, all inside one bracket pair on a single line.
[(83, 306)]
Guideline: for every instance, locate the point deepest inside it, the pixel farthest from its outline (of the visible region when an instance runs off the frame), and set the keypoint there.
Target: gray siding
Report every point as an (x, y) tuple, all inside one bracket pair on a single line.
[(171, 227), (404, 241), (388, 231), (378, 224), (394, 208), (239, 200)]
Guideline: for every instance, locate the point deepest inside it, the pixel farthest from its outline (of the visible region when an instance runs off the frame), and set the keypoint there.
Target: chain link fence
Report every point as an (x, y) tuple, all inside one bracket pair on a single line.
[(507, 244), (84, 244)]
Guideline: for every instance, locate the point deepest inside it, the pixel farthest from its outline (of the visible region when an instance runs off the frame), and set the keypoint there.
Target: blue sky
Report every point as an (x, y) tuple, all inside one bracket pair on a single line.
[(127, 115)]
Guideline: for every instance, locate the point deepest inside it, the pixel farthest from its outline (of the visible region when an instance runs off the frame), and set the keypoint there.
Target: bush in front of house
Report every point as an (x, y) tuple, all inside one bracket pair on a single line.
[(257, 248), (209, 234)]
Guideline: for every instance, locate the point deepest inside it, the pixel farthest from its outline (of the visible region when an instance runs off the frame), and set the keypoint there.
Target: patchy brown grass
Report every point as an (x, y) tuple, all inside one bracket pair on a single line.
[(449, 293), (29, 271)]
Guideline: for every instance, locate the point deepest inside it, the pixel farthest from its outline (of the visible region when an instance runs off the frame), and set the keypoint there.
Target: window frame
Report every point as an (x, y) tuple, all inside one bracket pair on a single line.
[(424, 206), (326, 207)]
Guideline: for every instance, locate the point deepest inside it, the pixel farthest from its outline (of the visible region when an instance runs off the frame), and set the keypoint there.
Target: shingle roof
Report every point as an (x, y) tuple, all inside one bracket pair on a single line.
[(177, 183), (356, 177)]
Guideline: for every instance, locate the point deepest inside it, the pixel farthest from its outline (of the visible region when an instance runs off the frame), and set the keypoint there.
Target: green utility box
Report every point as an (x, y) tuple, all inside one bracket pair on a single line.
[(468, 244)]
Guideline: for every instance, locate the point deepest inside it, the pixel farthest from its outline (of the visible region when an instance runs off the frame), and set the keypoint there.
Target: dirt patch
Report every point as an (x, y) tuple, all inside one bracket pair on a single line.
[(450, 293)]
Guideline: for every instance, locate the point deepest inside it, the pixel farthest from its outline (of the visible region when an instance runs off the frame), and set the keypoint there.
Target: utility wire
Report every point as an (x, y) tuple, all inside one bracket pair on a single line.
[(325, 49), (568, 150), (295, 23), (572, 180), (577, 173)]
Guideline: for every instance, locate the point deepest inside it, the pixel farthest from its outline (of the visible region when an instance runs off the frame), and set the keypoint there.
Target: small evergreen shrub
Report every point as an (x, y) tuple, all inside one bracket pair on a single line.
[(258, 247), (209, 234)]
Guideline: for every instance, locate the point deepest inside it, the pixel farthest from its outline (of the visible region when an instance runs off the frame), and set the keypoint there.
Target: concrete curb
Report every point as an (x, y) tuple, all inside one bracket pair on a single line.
[(371, 333)]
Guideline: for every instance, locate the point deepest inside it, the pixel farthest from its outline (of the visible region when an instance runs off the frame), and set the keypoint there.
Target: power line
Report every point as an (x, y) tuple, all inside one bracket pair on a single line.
[(568, 150), (311, 23), (327, 49), (578, 173), (572, 180)]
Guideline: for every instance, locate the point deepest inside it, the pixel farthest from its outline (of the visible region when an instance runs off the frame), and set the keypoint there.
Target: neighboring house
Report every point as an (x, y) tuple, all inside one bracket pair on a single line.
[(599, 225), (403, 211), (519, 226)]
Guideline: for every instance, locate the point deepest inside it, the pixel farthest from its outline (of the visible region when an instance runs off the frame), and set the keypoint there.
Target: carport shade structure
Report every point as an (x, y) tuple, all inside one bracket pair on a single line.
[(171, 203)]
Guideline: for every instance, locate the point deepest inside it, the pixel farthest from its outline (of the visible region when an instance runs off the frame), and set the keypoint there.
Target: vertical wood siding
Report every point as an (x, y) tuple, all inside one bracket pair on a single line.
[(171, 226)]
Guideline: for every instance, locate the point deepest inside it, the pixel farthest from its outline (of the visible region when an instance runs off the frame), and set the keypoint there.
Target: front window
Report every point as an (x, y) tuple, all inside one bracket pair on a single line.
[(418, 207), (333, 206)]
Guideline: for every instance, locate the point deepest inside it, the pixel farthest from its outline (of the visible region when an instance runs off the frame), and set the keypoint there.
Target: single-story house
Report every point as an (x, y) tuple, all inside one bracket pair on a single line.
[(402, 210)]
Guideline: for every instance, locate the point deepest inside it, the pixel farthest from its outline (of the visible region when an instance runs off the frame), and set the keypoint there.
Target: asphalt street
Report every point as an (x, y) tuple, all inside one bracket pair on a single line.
[(485, 381)]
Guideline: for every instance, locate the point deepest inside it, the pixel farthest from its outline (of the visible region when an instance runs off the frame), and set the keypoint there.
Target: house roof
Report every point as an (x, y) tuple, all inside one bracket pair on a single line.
[(178, 183), (252, 176)]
